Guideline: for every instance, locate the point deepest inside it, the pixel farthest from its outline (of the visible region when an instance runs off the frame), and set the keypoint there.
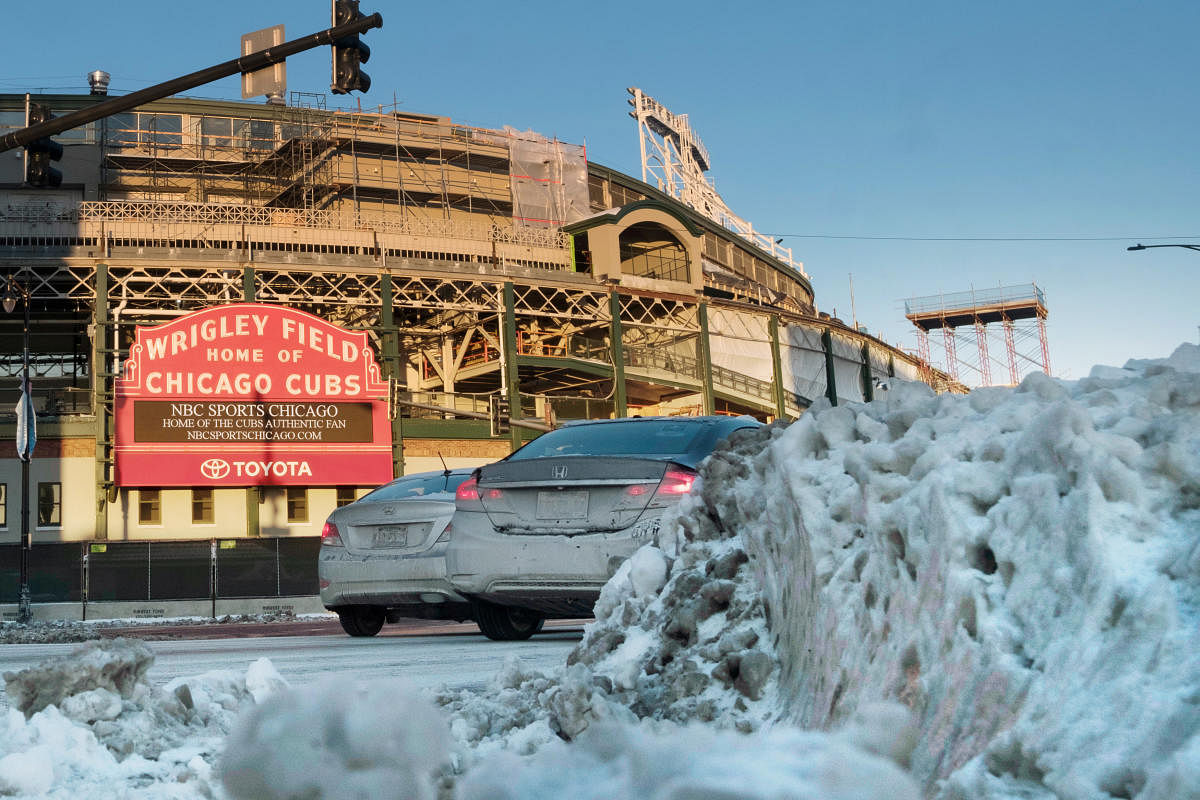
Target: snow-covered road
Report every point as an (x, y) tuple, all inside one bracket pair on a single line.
[(458, 662)]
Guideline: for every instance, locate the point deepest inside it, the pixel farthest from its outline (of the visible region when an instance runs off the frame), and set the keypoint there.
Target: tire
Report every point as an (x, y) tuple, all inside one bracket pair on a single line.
[(507, 623), (361, 620)]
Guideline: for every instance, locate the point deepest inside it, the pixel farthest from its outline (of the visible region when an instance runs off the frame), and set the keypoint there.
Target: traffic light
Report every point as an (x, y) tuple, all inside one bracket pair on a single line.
[(40, 152), (349, 53), (499, 414)]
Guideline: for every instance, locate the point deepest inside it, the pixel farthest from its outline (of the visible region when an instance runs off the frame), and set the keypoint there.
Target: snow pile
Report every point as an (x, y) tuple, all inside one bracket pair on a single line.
[(691, 762), (380, 740), (90, 721), (991, 596), (680, 635), (1021, 568)]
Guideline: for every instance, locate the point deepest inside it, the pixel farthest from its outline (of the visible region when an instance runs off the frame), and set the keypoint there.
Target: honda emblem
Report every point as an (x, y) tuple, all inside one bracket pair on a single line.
[(559, 471)]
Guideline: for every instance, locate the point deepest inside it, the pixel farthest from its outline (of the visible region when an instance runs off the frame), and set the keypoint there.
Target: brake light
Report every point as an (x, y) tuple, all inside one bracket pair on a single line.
[(676, 483), (467, 495), (330, 536)]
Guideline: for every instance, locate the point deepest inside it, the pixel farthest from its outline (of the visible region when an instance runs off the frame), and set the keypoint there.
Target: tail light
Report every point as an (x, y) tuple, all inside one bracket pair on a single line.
[(675, 483), (466, 496), (467, 490), (331, 536)]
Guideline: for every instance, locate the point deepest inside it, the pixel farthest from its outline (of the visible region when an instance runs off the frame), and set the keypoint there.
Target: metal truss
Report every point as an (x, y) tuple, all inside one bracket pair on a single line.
[(655, 311)]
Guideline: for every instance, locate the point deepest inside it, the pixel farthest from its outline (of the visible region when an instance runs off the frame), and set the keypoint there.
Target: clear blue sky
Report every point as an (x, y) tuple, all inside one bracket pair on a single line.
[(1048, 119)]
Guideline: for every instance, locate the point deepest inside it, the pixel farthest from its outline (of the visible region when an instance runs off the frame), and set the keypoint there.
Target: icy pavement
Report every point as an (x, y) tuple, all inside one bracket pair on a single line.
[(994, 596)]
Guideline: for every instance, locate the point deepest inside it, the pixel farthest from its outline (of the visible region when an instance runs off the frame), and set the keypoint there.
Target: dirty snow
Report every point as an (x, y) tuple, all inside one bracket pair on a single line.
[(993, 596)]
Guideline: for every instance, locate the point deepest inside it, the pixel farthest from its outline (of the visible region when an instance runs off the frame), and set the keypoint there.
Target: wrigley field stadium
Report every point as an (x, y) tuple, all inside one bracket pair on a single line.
[(238, 316)]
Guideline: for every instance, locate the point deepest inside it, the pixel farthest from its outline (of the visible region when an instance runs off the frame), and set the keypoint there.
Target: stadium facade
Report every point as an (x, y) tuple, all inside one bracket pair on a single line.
[(473, 264)]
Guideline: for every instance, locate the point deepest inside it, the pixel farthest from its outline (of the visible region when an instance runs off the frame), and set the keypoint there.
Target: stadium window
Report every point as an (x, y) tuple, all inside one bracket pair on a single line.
[(161, 129), (297, 504), (651, 251), (216, 131), (49, 507), (345, 495), (262, 134), (149, 507), (202, 507), (121, 129)]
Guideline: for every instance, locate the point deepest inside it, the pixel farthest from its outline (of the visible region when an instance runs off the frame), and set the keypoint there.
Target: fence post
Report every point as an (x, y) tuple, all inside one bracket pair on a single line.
[(212, 575)]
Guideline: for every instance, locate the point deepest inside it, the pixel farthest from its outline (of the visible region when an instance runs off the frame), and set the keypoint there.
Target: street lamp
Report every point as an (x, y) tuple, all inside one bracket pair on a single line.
[(1140, 246), (26, 439)]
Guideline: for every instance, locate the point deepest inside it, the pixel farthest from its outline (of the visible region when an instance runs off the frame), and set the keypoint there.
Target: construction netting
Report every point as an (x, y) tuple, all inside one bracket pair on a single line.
[(549, 178)]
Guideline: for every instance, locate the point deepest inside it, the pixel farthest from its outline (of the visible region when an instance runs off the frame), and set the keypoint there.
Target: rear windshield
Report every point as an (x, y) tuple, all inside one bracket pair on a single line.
[(418, 487), (649, 439)]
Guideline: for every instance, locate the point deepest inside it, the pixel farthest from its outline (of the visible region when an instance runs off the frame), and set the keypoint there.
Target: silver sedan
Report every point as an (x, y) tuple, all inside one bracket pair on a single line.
[(382, 557)]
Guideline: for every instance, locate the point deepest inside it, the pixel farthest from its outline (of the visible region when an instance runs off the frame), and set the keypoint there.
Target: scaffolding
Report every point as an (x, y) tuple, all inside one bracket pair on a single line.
[(963, 318)]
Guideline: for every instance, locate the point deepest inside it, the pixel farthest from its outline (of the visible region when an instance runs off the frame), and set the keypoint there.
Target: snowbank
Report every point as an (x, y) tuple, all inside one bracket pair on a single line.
[(88, 724), (994, 596), (1021, 568)]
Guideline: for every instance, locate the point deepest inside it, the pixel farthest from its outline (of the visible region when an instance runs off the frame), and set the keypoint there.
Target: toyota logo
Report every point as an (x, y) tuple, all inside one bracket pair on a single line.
[(214, 468)]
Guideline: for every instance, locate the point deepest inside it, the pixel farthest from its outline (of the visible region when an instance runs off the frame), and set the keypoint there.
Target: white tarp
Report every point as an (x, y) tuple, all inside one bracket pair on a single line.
[(741, 343), (905, 370), (847, 369), (880, 362), (803, 361), (549, 180)]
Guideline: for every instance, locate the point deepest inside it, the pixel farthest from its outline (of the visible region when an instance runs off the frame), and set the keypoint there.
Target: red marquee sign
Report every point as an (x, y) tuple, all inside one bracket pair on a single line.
[(251, 395)]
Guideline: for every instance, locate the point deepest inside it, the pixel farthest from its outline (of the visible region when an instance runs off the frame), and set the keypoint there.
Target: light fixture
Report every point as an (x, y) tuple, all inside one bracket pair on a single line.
[(9, 301)]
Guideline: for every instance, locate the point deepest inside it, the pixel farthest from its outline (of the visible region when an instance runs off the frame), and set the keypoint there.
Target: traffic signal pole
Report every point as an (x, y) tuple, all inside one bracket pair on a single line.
[(247, 63)]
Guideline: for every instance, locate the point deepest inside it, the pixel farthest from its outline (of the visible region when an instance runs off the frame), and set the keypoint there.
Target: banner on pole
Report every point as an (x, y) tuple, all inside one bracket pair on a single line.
[(26, 420)]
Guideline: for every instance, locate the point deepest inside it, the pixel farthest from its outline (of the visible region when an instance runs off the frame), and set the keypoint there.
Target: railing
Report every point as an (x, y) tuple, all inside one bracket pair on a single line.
[(574, 347), (214, 214), (474, 403), (648, 358), (1028, 293), (728, 379)]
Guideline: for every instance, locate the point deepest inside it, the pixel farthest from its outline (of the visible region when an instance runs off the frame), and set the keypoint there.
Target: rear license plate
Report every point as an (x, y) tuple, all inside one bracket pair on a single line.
[(562, 505), (391, 536)]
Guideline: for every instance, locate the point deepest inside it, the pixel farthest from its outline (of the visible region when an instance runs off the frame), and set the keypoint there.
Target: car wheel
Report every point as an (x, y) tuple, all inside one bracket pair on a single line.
[(507, 623), (361, 620)]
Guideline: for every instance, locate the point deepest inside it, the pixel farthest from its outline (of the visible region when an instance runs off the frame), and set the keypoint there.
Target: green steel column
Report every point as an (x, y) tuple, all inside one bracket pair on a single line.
[(391, 367), (868, 380), (777, 370), (706, 379), (102, 400), (247, 284), (620, 399), (571, 251), (511, 373), (253, 493), (830, 373)]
